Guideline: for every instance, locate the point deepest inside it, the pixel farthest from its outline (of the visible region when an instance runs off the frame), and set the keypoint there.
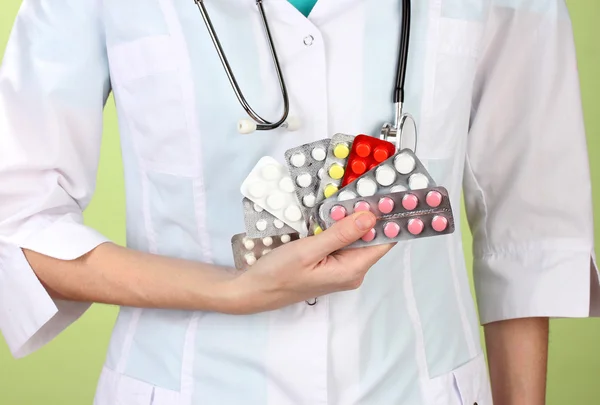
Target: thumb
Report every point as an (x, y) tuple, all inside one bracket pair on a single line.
[(342, 233)]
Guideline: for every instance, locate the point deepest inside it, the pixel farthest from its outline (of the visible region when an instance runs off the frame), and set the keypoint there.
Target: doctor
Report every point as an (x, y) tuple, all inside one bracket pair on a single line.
[(493, 87)]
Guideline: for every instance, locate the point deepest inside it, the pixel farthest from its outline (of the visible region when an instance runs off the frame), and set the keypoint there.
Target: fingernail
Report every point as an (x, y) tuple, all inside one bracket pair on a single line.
[(365, 221)]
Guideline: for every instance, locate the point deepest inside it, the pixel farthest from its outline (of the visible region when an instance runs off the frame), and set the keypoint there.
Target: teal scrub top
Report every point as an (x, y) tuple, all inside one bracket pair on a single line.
[(304, 6)]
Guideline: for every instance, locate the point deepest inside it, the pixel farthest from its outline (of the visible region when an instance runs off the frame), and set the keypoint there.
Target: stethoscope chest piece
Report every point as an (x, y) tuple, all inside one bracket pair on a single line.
[(403, 135)]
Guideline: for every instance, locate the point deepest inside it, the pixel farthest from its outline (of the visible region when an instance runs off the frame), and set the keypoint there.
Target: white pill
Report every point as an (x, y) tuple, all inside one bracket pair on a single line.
[(404, 163), (418, 181), (261, 225), (321, 173), (268, 241), (385, 175), (250, 259), (286, 184), (277, 224), (249, 244), (276, 200), (319, 154), (304, 180), (292, 213), (346, 195), (270, 172), (285, 238), (398, 189), (366, 187), (257, 190), (309, 200), (258, 208), (266, 252), (298, 159)]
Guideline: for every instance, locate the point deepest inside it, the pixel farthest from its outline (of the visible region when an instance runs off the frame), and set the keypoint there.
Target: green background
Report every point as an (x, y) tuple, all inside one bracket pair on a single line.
[(65, 372)]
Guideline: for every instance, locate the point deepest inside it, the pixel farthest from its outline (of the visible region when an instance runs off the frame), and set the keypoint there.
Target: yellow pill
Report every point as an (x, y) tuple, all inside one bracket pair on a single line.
[(341, 151), (318, 230), (330, 190), (336, 171)]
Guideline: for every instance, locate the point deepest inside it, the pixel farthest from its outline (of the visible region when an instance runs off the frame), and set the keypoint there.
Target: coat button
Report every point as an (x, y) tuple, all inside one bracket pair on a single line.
[(308, 41)]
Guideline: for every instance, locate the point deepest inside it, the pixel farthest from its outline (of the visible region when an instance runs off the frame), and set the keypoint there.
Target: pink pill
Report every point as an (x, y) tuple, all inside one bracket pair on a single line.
[(337, 212), (391, 230), (386, 205), (439, 223), (369, 236), (410, 202), (434, 199), (415, 226), (362, 206)]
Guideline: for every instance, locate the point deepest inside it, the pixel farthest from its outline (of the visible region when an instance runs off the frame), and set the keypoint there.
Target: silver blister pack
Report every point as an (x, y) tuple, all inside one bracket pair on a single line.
[(335, 165), (401, 172), (400, 216), (259, 223), (305, 164), (247, 251)]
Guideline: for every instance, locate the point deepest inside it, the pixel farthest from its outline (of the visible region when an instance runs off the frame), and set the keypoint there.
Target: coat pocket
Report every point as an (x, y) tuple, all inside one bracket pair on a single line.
[(450, 87), (149, 86), (465, 385), (118, 389)]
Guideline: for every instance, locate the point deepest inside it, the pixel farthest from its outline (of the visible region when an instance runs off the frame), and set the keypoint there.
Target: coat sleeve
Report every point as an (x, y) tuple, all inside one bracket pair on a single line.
[(53, 87), (527, 181)]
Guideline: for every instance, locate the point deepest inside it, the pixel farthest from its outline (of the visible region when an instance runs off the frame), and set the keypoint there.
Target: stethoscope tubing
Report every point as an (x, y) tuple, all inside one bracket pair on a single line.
[(263, 124)]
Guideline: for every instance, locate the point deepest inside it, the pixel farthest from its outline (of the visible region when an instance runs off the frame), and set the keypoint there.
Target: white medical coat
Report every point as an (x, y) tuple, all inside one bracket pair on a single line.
[(494, 88)]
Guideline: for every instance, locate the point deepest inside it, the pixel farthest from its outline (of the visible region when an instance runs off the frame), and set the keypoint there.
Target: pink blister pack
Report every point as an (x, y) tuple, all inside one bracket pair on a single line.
[(400, 216), (247, 251)]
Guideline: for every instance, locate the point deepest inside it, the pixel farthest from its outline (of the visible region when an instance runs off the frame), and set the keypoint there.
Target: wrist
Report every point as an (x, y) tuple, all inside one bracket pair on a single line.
[(233, 296)]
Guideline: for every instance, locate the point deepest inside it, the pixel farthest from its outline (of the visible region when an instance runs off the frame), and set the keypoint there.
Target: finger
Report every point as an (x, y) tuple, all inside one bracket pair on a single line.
[(341, 234)]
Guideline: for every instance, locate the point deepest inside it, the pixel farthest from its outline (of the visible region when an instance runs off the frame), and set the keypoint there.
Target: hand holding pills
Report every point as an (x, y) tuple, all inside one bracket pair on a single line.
[(326, 181), (310, 267)]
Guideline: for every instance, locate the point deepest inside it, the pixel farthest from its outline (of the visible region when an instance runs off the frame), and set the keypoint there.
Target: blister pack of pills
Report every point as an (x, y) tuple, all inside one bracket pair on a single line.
[(305, 164), (400, 216), (246, 250), (259, 223), (403, 171), (366, 153), (270, 187), (335, 165)]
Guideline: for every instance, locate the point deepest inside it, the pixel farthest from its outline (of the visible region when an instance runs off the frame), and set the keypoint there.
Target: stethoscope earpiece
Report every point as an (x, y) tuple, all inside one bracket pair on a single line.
[(246, 126)]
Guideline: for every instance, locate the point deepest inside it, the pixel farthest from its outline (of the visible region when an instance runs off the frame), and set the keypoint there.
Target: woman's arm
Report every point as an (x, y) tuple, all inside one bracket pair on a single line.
[(292, 273)]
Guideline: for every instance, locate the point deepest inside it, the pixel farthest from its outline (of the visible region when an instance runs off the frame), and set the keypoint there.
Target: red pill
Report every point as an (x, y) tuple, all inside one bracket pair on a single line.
[(439, 223), (350, 179), (380, 154), (337, 212), (363, 149), (369, 236), (433, 199), (359, 167), (415, 226), (391, 230), (410, 202), (362, 206), (386, 205)]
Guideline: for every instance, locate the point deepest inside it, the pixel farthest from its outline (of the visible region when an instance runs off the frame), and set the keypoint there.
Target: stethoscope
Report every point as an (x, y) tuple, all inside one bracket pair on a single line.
[(403, 129)]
